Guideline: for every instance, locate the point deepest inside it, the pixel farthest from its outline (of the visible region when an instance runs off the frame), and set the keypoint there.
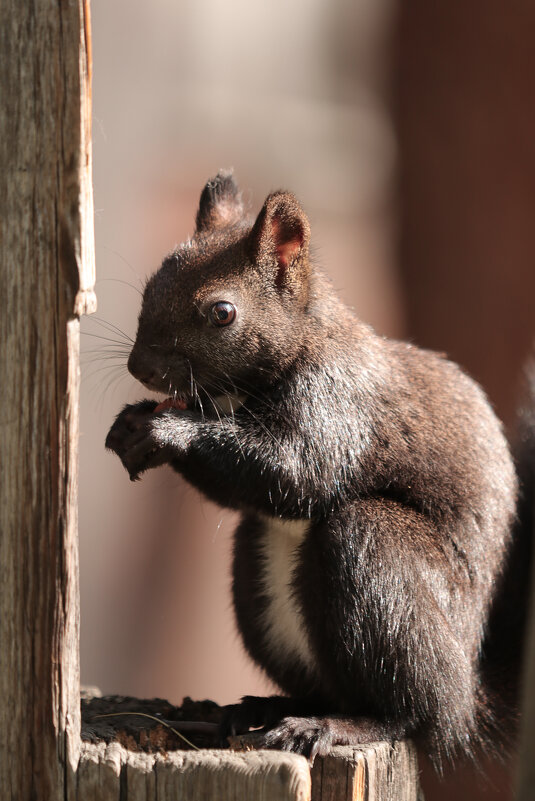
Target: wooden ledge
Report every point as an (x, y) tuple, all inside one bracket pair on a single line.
[(376, 772), (132, 758), (111, 772)]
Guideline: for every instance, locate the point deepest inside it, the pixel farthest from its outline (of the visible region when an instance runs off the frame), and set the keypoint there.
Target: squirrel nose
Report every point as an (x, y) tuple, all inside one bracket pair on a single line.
[(140, 368)]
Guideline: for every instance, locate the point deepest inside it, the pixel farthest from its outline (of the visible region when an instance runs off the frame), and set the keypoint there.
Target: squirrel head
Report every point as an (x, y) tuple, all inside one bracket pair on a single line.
[(229, 307)]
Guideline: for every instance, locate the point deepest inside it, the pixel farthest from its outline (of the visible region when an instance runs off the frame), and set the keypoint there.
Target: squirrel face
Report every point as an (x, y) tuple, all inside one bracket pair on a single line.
[(230, 305)]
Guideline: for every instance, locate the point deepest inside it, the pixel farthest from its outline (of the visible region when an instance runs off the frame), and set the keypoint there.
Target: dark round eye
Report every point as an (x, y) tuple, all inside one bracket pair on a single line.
[(222, 313)]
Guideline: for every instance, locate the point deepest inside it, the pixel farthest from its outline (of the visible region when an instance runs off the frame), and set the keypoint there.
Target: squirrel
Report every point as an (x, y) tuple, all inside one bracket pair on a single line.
[(376, 488)]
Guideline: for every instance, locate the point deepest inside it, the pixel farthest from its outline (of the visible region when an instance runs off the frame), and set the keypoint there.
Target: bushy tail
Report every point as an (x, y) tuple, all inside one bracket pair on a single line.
[(525, 457), (504, 646)]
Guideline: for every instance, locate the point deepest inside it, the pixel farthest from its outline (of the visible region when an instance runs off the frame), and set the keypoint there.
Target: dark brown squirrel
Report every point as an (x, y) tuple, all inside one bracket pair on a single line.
[(376, 489)]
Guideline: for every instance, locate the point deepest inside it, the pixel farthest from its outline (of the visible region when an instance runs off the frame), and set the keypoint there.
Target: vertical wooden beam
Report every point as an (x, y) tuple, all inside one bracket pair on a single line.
[(46, 278)]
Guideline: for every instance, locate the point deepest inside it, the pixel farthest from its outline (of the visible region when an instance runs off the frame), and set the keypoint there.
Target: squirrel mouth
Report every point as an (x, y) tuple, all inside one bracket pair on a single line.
[(179, 402), (222, 404)]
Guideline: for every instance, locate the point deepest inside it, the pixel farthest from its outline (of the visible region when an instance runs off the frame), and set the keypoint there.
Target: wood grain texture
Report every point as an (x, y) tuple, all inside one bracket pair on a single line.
[(45, 261), (110, 773), (375, 772)]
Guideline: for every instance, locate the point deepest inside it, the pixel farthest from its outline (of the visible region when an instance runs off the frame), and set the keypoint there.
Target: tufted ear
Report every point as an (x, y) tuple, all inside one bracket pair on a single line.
[(220, 205), (280, 237)]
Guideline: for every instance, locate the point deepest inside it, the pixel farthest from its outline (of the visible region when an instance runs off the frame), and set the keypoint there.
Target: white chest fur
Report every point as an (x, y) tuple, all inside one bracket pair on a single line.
[(284, 625)]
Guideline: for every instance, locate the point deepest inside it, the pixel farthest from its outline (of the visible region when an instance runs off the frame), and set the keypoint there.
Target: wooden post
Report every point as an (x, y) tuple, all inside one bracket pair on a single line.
[(46, 282), (46, 279)]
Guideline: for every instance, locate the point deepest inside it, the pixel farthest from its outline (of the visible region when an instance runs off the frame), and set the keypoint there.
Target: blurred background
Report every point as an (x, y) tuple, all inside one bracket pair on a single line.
[(407, 132)]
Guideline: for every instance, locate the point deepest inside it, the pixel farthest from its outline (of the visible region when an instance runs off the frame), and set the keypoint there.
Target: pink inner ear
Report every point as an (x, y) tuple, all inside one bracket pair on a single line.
[(288, 242), (288, 250)]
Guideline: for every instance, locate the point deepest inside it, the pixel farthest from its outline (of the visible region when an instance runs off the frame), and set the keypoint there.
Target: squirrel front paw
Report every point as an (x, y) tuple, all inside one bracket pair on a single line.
[(134, 438)]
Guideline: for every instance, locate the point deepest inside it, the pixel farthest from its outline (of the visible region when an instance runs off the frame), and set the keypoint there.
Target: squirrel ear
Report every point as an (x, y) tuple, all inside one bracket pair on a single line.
[(281, 233), (220, 204)]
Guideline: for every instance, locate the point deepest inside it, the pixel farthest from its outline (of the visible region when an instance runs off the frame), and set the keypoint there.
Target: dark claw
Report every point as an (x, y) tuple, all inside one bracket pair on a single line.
[(308, 736)]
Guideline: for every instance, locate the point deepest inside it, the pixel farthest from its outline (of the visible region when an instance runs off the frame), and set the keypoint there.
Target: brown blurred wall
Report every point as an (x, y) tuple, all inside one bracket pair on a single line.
[(464, 87)]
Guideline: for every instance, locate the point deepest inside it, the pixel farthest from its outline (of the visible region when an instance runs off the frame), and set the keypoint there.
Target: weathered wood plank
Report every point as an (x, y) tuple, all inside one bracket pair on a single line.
[(45, 261), (107, 772), (99, 772), (86, 302), (375, 772)]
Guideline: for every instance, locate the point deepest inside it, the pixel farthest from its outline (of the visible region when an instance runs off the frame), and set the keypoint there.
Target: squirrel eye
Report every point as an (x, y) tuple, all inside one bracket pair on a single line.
[(222, 313)]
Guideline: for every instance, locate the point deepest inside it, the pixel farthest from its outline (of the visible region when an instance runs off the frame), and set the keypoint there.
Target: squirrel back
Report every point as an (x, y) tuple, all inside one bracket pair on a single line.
[(504, 644)]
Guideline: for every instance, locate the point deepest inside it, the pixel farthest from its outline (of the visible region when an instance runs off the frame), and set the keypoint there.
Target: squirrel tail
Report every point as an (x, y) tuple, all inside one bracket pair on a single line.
[(503, 650), (525, 459)]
